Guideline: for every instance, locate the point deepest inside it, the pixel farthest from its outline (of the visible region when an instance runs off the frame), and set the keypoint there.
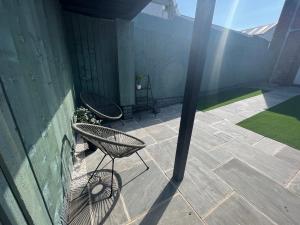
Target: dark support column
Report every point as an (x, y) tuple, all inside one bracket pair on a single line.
[(202, 26)]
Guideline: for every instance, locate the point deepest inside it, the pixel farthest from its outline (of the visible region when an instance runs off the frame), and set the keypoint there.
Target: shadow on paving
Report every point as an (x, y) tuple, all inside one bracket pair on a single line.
[(94, 204), (158, 208)]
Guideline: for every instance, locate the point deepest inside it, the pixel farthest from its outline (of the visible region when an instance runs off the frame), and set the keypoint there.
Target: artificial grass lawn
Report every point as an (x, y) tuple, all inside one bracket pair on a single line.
[(209, 102), (281, 122)]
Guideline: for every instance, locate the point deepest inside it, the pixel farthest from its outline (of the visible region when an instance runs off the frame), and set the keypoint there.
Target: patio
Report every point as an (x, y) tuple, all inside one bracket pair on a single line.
[(204, 167), (233, 175)]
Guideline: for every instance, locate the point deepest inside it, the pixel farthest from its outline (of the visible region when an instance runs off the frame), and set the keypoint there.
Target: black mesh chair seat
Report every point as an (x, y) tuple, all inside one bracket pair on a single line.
[(112, 142), (101, 106)]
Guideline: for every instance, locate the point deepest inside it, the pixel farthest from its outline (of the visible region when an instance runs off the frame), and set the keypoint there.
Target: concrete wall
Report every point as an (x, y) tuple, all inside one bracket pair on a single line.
[(36, 74), (285, 46), (162, 51), (126, 60)]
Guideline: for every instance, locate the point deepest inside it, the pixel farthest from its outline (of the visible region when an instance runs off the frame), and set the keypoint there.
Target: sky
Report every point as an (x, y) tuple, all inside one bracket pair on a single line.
[(238, 14)]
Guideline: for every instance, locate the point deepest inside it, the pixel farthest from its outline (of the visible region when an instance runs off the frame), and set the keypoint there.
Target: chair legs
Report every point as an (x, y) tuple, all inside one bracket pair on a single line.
[(112, 177), (147, 167), (112, 173), (93, 174)]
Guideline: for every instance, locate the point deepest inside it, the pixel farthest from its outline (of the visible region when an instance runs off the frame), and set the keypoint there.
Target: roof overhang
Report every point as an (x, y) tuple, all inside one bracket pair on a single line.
[(108, 9)]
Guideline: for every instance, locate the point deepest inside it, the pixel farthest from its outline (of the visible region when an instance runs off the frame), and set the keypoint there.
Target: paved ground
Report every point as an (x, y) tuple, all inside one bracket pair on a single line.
[(233, 176)]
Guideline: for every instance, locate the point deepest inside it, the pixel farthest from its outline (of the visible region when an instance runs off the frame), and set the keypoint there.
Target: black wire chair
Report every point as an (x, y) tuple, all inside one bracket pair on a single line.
[(101, 106), (112, 143)]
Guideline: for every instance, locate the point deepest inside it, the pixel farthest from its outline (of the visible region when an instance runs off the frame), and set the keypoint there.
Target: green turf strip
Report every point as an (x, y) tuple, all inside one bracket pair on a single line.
[(281, 122), (209, 102)]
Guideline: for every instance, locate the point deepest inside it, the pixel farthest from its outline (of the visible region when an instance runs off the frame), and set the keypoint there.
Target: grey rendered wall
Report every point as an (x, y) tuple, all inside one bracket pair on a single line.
[(285, 46), (126, 67), (36, 73), (162, 51), (93, 49)]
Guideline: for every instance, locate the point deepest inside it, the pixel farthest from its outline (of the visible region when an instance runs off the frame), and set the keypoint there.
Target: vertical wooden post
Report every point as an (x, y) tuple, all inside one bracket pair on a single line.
[(201, 31)]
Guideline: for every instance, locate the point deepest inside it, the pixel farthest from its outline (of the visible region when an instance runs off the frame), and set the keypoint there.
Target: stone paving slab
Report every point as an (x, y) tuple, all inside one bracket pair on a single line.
[(174, 212), (207, 141), (202, 188), (272, 199), (164, 153), (144, 190), (273, 167), (289, 155), (161, 132), (221, 156), (207, 117), (232, 117), (269, 146), (207, 160), (294, 185), (238, 133), (237, 211)]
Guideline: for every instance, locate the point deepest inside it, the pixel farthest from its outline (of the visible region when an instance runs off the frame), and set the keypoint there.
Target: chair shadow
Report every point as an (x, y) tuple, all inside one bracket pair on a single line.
[(94, 205)]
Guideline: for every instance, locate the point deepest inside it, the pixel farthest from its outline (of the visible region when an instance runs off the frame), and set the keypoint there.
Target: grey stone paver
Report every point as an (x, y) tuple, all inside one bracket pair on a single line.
[(237, 211), (207, 160), (207, 117), (144, 190), (269, 146), (290, 155), (294, 185), (266, 195), (202, 188), (160, 132), (239, 133), (207, 141), (175, 212), (273, 167), (164, 153), (232, 117)]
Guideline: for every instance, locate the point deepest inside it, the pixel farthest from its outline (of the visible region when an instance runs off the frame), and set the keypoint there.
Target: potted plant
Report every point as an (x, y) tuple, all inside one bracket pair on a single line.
[(138, 81), (83, 115)]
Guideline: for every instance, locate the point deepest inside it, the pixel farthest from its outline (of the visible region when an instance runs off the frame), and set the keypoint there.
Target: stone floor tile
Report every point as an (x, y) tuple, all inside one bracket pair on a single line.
[(202, 188), (290, 155), (232, 117), (268, 146), (164, 153), (221, 156), (271, 166), (207, 117), (205, 140), (237, 211), (266, 195), (161, 132), (173, 212), (294, 185), (239, 133), (206, 159), (143, 190)]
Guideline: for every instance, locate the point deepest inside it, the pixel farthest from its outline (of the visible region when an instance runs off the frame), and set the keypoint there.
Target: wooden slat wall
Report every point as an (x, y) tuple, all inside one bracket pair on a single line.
[(93, 50), (37, 76)]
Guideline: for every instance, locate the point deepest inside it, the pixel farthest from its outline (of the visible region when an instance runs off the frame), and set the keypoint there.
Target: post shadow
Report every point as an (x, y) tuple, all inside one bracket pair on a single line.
[(158, 208)]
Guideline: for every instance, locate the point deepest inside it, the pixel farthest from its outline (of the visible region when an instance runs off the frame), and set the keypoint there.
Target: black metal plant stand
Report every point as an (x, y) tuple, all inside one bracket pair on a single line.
[(144, 97)]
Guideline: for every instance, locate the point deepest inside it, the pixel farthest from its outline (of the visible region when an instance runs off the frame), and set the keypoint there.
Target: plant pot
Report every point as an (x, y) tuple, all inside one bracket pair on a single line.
[(139, 86)]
